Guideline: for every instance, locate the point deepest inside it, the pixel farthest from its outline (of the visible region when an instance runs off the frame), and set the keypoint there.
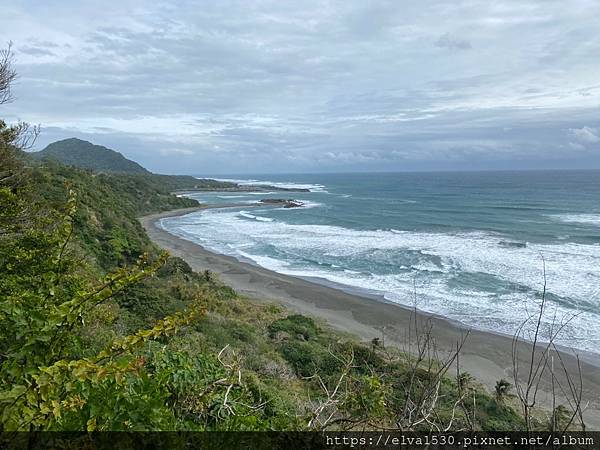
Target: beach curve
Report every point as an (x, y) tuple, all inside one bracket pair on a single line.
[(487, 356)]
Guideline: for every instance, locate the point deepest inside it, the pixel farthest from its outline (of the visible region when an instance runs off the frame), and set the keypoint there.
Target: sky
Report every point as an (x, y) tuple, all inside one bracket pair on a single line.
[(203, 87)]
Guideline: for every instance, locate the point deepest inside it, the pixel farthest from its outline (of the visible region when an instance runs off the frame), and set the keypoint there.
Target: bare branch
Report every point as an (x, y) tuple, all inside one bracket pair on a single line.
[(7, 74), (540, 360), (325, 410)]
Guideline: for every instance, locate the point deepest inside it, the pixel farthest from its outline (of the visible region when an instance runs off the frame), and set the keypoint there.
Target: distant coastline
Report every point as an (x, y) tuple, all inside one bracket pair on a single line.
[(486, 355)]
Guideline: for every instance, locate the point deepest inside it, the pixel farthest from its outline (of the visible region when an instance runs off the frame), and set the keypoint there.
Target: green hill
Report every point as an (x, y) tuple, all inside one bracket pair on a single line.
[(84, 154)]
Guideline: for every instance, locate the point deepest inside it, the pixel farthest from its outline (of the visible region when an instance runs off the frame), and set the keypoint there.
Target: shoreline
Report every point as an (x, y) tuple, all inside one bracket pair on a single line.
[(487, 356)]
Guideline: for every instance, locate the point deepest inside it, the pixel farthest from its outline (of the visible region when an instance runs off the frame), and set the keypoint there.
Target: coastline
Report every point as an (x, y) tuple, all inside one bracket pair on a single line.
[(485, 355)]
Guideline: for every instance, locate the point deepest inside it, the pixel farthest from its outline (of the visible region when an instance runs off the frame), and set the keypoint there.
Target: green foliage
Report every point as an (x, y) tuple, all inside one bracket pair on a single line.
[(45, 298), (560, 418), (368, 399), (495, 415), (502, 389), (83, 154), (107, 205), (309, 358), (295, 325), (172, 183)]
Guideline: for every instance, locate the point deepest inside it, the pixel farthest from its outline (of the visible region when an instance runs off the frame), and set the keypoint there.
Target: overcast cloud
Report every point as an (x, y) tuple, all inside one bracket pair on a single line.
[(300, 86)]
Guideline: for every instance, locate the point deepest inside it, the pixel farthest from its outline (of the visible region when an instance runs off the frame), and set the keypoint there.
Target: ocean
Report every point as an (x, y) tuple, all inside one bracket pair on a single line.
[(471, 246)]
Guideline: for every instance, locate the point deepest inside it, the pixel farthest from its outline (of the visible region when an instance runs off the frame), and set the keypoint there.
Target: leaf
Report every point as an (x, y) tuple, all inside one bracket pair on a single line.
[(91, 424), (15, 392), (56, 408)]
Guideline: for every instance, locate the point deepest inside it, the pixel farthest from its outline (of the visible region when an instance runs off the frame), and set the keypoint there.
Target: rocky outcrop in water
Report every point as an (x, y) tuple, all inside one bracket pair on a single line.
[(285, 203)]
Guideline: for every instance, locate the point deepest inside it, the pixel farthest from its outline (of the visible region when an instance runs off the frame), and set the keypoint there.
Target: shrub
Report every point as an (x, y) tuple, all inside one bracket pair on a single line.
[(295, 325)]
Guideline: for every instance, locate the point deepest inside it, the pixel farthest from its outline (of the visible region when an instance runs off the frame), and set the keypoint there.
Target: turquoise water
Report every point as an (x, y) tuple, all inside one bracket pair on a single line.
[(472, 245)]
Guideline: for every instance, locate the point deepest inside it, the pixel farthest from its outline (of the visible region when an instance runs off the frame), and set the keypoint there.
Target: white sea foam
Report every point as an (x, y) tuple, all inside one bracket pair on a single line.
[(572, 270), (265, 261), (310, 204), (587, 219), (283, 185), (247, 215), (306, 204)]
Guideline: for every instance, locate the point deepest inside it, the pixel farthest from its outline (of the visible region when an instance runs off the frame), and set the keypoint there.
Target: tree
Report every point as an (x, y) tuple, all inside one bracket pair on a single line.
[(502, 389), (7, 74), (566, 383)]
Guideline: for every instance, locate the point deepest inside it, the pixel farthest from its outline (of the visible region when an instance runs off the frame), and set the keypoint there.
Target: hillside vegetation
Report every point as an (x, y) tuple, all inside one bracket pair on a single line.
[(84, 154), (106, 203)]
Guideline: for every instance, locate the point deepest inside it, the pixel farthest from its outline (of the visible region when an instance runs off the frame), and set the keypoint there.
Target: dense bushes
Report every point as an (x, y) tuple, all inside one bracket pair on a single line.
[(107, 205), (294, 326)]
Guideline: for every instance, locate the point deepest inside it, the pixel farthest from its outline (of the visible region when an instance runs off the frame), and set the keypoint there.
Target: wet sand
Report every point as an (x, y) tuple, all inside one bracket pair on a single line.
[(485, 355)]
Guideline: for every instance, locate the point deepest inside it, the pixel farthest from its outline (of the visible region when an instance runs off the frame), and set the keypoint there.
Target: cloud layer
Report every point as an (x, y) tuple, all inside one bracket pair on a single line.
[(266, 86)]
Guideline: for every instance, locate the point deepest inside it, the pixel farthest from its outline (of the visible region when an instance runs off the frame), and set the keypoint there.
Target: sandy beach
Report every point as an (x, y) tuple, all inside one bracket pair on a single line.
[(486, 356)]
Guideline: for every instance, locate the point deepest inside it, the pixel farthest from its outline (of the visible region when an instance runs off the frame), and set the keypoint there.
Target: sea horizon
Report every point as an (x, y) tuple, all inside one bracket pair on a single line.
[(249, 175)]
